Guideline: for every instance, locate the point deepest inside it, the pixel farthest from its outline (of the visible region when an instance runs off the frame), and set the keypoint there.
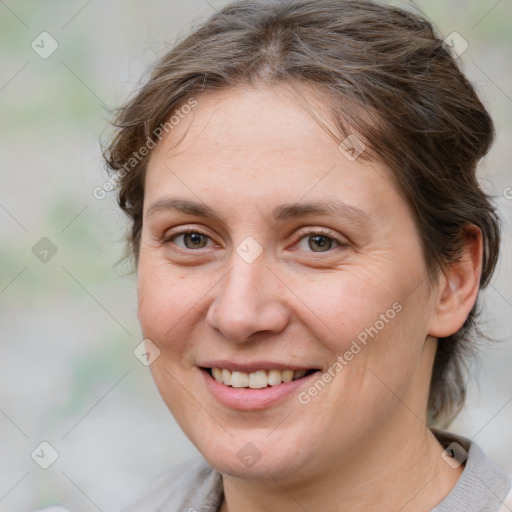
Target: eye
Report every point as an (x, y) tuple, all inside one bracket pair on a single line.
[(320, 241), (191, 239)]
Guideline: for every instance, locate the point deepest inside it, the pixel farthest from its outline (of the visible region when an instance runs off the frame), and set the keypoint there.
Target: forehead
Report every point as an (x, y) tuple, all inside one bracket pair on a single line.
[(270, 118), (251, 142)]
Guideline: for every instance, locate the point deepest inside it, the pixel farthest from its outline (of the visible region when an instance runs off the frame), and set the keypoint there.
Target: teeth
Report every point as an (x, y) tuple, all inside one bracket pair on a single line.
[(256, 380), (239, 379), (287, 376), (274, 377), (217, 374), (226, 377)]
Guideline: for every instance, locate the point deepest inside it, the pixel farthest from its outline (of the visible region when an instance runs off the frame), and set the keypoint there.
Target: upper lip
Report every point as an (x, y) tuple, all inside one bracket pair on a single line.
[(253, 366)]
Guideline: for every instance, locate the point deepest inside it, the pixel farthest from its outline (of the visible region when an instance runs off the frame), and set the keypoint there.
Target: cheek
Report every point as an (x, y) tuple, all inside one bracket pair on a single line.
[(345, 308), (368, 317), (167, 301)]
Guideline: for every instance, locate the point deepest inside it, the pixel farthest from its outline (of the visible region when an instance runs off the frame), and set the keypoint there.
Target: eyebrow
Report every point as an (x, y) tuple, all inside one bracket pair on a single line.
[(280, 213)]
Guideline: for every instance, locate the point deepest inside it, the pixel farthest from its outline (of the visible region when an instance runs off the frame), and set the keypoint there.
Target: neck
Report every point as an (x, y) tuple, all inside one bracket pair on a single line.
[(396, 469)]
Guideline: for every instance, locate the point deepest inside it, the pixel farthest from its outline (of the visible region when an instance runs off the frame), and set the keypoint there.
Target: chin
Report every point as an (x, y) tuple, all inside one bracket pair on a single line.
[(254, 456)]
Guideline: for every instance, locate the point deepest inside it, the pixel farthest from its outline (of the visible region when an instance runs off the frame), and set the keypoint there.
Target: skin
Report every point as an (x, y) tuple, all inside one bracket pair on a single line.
[(362, 443)]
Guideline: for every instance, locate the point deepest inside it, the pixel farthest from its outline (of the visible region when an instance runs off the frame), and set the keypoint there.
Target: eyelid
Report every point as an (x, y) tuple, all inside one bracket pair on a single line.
[(182, 231)]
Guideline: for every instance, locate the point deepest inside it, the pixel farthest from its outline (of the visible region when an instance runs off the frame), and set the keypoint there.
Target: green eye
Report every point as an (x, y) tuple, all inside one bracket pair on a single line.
[(192, 239), (320, 241)]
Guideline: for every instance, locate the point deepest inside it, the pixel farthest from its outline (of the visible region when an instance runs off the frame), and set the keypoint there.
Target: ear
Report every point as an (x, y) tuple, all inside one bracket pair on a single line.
[(458, 287)]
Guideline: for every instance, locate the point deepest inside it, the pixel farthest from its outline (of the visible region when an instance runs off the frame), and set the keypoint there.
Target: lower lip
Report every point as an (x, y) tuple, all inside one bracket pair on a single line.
[(248, 399)]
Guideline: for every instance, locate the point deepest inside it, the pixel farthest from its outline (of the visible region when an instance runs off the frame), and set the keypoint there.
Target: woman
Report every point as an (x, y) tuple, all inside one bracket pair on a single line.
[(310, 240)]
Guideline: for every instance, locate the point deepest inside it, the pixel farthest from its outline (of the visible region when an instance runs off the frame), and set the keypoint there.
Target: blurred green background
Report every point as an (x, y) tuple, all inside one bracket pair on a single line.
[(68, 325)]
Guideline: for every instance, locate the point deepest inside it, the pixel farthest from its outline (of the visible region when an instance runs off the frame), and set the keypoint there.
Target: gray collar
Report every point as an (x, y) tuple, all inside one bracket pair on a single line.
[(483, 485)]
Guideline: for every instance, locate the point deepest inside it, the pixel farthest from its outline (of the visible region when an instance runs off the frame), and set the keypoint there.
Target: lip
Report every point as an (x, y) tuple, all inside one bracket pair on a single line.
[(250, 367), (246, 399)]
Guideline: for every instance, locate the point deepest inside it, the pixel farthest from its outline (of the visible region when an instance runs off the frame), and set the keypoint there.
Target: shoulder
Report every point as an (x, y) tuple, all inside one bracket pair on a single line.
[(190, 486), (193, 484), (483, 485)]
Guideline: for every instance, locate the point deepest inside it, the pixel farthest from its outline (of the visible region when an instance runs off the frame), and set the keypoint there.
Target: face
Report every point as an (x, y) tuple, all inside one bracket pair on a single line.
[(264, 247)]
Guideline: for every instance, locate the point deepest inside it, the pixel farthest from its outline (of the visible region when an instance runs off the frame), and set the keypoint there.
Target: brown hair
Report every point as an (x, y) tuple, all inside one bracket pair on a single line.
[(386, 76)]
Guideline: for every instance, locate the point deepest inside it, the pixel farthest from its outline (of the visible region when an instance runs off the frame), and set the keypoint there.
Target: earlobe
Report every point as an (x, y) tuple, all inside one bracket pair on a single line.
[(458, 287)]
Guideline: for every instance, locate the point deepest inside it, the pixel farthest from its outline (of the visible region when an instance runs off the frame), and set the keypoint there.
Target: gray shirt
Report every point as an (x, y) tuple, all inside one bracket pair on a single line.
[(194, 486)]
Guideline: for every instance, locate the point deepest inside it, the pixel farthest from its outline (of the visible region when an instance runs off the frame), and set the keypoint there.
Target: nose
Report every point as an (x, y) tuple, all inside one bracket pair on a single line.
[(248, 300)]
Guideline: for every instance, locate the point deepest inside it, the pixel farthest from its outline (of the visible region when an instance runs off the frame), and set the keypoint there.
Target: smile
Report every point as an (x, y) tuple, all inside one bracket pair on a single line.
[(254, 385), (258, 379)]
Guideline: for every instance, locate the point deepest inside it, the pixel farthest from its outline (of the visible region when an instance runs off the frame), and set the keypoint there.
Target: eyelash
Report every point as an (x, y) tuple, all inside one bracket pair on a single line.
[(320, 231), (326, 233)]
